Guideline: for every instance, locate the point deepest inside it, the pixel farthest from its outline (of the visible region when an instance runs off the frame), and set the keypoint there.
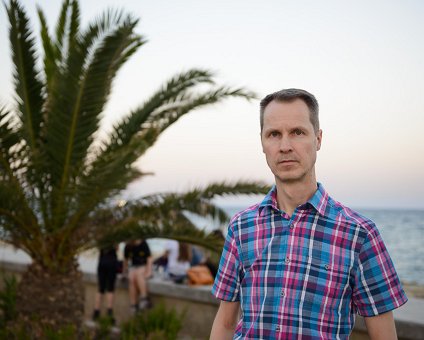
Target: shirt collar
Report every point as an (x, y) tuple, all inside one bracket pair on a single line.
[(270, 200), (318, 201)]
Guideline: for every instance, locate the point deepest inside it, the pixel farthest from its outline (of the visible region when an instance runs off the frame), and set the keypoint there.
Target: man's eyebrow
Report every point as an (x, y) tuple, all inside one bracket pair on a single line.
[(270, 129), (298, 127)]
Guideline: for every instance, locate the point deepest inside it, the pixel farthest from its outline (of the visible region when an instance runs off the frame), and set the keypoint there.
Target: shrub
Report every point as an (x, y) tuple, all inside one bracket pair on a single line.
[(157, 323)]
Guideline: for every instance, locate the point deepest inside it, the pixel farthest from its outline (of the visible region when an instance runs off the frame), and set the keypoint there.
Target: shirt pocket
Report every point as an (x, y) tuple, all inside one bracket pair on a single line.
[(325, 284)]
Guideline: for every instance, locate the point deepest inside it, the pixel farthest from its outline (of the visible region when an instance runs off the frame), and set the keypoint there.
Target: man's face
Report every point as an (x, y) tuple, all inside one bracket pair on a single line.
[(289, 141)]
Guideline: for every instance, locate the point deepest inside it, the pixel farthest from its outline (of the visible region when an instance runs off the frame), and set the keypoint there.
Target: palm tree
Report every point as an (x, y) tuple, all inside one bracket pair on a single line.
[(58, 179)]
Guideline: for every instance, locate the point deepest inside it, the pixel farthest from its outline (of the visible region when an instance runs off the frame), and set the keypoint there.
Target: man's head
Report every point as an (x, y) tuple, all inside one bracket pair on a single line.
[(290, 95), (290, 135)]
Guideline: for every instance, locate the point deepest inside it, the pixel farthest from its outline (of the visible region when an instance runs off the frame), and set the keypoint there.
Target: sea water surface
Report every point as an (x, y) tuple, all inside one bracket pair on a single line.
[(402, 232)]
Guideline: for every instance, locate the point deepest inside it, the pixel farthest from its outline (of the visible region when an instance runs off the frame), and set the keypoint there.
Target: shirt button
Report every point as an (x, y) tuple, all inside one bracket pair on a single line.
[(287, 260), (327, 266), (283, 293), (278, 328), (291, 226)]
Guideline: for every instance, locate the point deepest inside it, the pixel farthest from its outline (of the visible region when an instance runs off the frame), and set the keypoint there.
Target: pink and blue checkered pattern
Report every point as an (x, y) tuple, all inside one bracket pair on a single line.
[(305, 277)]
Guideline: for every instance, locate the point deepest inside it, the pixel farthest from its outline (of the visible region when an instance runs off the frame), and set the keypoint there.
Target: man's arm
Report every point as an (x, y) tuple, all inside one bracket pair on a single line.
[(381, 327), (225, 321)]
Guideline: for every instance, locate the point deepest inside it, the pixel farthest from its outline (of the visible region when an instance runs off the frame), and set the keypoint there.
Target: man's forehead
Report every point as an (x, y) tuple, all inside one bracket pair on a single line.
[(296, 102), (283, 111)]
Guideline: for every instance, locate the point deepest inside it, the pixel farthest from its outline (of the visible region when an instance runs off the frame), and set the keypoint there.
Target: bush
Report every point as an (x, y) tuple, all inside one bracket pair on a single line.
[(8, 300), (155, 324)]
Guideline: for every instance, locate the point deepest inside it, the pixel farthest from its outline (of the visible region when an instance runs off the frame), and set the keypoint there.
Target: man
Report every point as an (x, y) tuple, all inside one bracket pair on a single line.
[(300, 265)]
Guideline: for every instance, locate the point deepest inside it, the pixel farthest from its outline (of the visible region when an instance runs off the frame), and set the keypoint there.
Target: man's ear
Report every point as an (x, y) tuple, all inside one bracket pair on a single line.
[(319, 139)]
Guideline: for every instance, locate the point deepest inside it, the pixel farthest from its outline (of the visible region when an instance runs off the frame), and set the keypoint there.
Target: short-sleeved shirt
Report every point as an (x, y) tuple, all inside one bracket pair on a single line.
[(138, 253), (108, 257), (305, 276)]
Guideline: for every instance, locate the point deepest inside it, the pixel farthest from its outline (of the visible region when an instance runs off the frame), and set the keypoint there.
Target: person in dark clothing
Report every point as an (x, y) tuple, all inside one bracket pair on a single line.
[(106, 278), (138, 265)]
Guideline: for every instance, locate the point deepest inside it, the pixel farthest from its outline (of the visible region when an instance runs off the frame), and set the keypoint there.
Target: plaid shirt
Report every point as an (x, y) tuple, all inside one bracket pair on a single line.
[(306, 276)]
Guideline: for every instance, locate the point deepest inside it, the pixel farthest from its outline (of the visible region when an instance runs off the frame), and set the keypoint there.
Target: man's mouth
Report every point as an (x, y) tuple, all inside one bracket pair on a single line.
[(287, 161)]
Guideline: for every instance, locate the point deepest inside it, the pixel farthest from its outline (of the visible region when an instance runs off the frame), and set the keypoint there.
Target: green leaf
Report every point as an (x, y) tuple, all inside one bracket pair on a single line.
[(50, 57), (28, 87)]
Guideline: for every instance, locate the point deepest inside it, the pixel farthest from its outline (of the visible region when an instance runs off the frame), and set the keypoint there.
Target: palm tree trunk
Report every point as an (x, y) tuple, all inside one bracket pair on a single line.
[(50, 299)]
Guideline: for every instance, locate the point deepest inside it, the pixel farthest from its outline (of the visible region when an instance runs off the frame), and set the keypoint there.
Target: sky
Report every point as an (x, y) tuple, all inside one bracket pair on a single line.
[(363, 60)]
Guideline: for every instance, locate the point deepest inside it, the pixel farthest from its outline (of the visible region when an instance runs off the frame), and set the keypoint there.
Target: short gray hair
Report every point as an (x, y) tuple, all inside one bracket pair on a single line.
[(290, 95)]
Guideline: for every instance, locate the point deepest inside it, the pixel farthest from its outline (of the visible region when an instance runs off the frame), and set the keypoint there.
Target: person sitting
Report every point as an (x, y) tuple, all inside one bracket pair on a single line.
[(179, 257), (211, 260)]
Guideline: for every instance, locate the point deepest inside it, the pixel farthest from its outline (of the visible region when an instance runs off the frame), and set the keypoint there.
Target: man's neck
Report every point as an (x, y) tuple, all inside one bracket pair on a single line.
[(291, 195)]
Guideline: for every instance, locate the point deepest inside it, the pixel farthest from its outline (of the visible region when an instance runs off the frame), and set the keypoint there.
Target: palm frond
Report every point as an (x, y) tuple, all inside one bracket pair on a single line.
[(50, 57), (237, 188), (164, 117), (102, 172), (12, 169), (132, 229), (167, 206), (88, 100), (198, 200), (167, 105), (74, 22), (61, 29), (170, 114), (174, 90), (162, 215), (9, 137), (28, 87)]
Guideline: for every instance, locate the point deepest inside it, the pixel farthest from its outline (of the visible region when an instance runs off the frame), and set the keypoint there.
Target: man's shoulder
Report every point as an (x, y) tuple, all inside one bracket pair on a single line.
[(340, 212), (249, 212)]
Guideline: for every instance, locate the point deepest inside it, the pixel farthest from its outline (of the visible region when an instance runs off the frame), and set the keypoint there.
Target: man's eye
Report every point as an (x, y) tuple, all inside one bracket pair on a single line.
[(298, 132), (274, 134)]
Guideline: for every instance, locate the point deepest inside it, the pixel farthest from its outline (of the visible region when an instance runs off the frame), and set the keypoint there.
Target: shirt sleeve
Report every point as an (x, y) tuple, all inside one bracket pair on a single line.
[(377, 286), (227, 281), (127, 252), (147, 249)]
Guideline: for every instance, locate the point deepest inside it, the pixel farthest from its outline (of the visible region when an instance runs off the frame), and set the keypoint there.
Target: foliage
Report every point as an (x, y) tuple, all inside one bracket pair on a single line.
[(157, 323), (163, 215), (105, 326), (8, 300), (57, 176), (8, 315), (68, 332)]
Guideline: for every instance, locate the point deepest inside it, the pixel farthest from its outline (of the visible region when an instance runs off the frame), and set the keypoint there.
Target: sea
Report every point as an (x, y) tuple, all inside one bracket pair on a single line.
[(401, 230)]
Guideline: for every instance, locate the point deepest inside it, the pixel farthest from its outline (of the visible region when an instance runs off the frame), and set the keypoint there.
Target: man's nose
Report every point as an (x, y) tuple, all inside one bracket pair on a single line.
[(285, 144)]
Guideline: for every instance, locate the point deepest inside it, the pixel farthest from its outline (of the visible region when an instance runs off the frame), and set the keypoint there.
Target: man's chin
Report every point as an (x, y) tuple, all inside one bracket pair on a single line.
[(289, 179)]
